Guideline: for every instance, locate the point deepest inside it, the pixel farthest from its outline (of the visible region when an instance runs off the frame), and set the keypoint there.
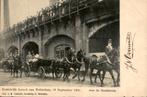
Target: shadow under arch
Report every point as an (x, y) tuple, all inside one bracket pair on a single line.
[(99, 38), (31, 47)]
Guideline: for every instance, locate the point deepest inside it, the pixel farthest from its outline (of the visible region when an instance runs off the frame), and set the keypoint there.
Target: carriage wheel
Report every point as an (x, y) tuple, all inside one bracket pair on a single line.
[(58, 73), (41, 72)]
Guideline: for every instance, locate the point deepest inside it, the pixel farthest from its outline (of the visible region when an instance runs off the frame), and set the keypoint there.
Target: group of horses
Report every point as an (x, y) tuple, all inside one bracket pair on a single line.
[(13, 65), (66, 65), (91, 63)]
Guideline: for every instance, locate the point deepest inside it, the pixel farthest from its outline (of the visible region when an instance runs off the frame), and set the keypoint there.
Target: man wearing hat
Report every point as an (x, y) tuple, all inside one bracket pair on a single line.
[(108, 50)]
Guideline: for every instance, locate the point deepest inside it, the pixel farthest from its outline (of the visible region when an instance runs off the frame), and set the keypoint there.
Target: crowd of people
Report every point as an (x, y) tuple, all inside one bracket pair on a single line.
[(48, 13), (44, 14)]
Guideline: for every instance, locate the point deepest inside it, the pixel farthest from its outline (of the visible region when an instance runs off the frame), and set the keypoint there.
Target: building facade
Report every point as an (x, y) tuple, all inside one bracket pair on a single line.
[(81, 24)]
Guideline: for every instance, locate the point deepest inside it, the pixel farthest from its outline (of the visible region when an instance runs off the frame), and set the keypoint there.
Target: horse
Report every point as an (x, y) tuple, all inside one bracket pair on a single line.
[(72, 62), (87, 62), (7, 65), (56, 68), (17, 66), (104, 66), (65, 64), (78, 61)]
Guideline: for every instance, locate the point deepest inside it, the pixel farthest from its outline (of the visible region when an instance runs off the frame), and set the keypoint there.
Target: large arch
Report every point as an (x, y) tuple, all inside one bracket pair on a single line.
[(56, 45), (31, 47), (99, 38), (12, 50)]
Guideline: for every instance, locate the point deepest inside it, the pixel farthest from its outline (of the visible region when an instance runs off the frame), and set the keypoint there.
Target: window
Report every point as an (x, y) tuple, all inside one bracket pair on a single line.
[(60, 51)]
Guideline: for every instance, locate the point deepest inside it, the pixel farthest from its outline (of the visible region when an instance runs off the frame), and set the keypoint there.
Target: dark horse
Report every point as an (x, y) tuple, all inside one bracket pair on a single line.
[(17, 66), (7, 65), (70, 62), (78, 61), (104, 66)]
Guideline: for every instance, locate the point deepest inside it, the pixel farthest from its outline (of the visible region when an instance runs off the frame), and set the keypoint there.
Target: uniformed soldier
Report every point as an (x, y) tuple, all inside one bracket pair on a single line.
[(108, 50)]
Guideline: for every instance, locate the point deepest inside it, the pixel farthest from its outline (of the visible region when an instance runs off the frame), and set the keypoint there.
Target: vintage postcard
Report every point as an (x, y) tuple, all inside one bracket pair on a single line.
[(73, 48)]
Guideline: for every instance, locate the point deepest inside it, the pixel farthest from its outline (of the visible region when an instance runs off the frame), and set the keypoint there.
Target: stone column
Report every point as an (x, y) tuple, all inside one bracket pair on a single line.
[(40, 42), (78, 33), (85, 39)]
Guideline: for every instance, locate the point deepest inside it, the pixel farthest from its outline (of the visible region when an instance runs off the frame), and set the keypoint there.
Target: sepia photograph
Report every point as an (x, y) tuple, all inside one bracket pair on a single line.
[(73, 48), (60, 42)]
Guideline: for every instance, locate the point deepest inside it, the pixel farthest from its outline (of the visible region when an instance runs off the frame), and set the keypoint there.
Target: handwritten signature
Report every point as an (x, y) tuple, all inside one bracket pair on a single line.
[(129, 55)]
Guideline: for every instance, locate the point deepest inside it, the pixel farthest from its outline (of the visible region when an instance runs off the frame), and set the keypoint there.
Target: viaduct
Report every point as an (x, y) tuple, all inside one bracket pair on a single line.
[(87, 25)]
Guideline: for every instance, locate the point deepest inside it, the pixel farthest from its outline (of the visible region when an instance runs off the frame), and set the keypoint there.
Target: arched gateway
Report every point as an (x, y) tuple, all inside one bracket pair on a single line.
[(31, 47), (99, 38)]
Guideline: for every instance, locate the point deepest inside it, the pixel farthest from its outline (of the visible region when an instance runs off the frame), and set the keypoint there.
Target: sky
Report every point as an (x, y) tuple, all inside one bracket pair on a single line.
[(20, 9)]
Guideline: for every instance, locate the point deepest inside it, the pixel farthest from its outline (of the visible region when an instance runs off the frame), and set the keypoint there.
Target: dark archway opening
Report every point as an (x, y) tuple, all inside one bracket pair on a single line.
[(99, 40), (31, 47)]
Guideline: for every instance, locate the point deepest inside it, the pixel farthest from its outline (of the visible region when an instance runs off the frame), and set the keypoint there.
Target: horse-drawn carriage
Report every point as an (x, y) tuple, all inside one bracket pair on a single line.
[(43, 67), (96, 61)]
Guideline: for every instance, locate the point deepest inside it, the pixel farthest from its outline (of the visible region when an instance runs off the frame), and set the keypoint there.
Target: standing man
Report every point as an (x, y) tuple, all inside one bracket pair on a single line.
[(108, 51), (17, 63), (28, 57)]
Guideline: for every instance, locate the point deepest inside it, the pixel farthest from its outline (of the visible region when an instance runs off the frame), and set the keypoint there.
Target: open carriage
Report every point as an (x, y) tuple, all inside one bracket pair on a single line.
[(43, 67)]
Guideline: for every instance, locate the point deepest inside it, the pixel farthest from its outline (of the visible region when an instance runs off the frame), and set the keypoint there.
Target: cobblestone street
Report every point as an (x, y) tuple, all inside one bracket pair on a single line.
[(34, 80)]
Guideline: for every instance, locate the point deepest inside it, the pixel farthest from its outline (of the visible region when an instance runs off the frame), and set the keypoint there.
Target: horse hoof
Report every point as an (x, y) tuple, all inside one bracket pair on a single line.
[(83, 80), (115, 85), (68, 80), (118, 85), (102, 85), (73, 77)]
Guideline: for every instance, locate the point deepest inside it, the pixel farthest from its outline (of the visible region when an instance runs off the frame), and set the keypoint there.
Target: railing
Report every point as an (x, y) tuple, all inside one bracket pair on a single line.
[(52, 13)]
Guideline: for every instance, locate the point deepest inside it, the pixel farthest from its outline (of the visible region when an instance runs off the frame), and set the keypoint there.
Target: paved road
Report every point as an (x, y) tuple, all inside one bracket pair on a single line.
[(7, 80)]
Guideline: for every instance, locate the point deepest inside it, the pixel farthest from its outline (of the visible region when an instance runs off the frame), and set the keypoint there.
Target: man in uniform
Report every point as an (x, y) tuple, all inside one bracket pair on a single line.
[(108, 50)]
